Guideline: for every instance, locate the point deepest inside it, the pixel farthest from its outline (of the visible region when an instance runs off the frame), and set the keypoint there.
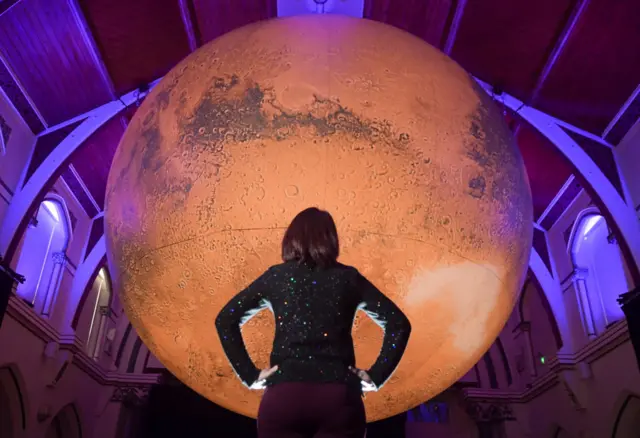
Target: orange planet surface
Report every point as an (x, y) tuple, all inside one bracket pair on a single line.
[(361, 119)]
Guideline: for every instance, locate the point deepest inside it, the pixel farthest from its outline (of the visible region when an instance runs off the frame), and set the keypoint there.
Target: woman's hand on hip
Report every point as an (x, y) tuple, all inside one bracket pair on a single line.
[(365, 380), (261, 383)]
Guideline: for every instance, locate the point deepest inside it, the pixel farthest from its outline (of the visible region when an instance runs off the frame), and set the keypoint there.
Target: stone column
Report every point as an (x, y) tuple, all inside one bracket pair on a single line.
[(579, 280), (59, 263), (133, 400), (104, 312)]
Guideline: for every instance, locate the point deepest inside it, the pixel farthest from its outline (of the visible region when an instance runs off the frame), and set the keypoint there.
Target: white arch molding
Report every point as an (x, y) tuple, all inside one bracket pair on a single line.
[(24, 199), (65, 213), (42, 256), (14, 403), (575, 229), (621, 214)]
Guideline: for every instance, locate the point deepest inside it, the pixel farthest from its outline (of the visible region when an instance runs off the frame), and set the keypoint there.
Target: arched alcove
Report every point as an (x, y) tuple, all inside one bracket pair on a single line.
[(7, 414), (600, 269), (43, 254), (66, 424), (12, 404), (627, 422)]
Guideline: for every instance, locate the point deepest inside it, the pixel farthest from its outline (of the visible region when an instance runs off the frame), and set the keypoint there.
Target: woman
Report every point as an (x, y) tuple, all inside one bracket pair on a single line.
[(314, 389)]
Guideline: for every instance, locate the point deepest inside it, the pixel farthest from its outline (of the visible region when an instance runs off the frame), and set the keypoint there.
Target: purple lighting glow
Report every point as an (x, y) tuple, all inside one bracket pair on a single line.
[(352, 8), (589, 223)]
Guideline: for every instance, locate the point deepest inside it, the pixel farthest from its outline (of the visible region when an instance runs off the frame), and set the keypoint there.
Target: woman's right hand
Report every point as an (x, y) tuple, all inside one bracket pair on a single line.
[(261, 382), (365, 380)]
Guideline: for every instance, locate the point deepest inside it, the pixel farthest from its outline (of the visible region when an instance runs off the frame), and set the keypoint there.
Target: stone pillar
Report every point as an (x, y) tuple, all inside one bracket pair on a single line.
[(105, 312), (490, 418), (59, 262), (579, 280), (121, 416), (133, 401)]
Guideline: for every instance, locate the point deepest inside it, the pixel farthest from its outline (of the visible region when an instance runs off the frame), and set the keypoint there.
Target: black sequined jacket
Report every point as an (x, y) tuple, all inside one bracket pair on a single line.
[(314, 311)]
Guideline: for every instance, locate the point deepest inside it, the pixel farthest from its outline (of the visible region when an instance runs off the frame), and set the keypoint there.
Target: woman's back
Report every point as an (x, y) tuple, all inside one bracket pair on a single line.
[(314, 309)]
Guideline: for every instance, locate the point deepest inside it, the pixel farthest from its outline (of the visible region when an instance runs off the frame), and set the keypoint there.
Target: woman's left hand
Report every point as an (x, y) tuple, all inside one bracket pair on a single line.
[(261, 383), (365, 380)]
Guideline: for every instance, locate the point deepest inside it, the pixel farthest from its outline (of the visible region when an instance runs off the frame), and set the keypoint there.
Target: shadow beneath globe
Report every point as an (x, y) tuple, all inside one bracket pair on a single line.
[(175, 410)]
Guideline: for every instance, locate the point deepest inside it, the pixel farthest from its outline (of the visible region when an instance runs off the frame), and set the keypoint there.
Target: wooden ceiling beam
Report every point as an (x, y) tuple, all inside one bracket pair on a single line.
[(558, 47), (623, 122), (87, 36), (186, 11), (554, 201), (453, 28), (84, 187), (7, 4)]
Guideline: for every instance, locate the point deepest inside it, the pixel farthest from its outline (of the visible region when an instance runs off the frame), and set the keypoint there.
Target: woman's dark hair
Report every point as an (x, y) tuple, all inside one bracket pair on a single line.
[(311, 238)]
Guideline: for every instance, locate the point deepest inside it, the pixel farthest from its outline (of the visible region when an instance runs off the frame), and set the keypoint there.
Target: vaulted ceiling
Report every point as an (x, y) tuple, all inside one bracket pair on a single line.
[(577, 60)]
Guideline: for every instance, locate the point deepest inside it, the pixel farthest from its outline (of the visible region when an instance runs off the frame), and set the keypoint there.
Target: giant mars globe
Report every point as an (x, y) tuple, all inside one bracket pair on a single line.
[(361, 119)]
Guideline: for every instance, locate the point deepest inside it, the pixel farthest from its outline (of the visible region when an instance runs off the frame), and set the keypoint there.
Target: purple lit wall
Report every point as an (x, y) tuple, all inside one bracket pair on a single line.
[(353, 8)]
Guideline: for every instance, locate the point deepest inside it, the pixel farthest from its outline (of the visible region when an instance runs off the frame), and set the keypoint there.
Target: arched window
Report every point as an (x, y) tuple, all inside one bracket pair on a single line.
[(627, 422), (599, 264), (101, 311), (12, 404), (66, 424), (6, 414), (42, 255)]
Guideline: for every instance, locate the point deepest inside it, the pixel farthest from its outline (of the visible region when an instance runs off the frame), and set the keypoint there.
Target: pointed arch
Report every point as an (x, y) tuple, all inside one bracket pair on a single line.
[(575, 229), (13, 398), (600, 268), (626, 416), (65, 216), (66, 423)]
